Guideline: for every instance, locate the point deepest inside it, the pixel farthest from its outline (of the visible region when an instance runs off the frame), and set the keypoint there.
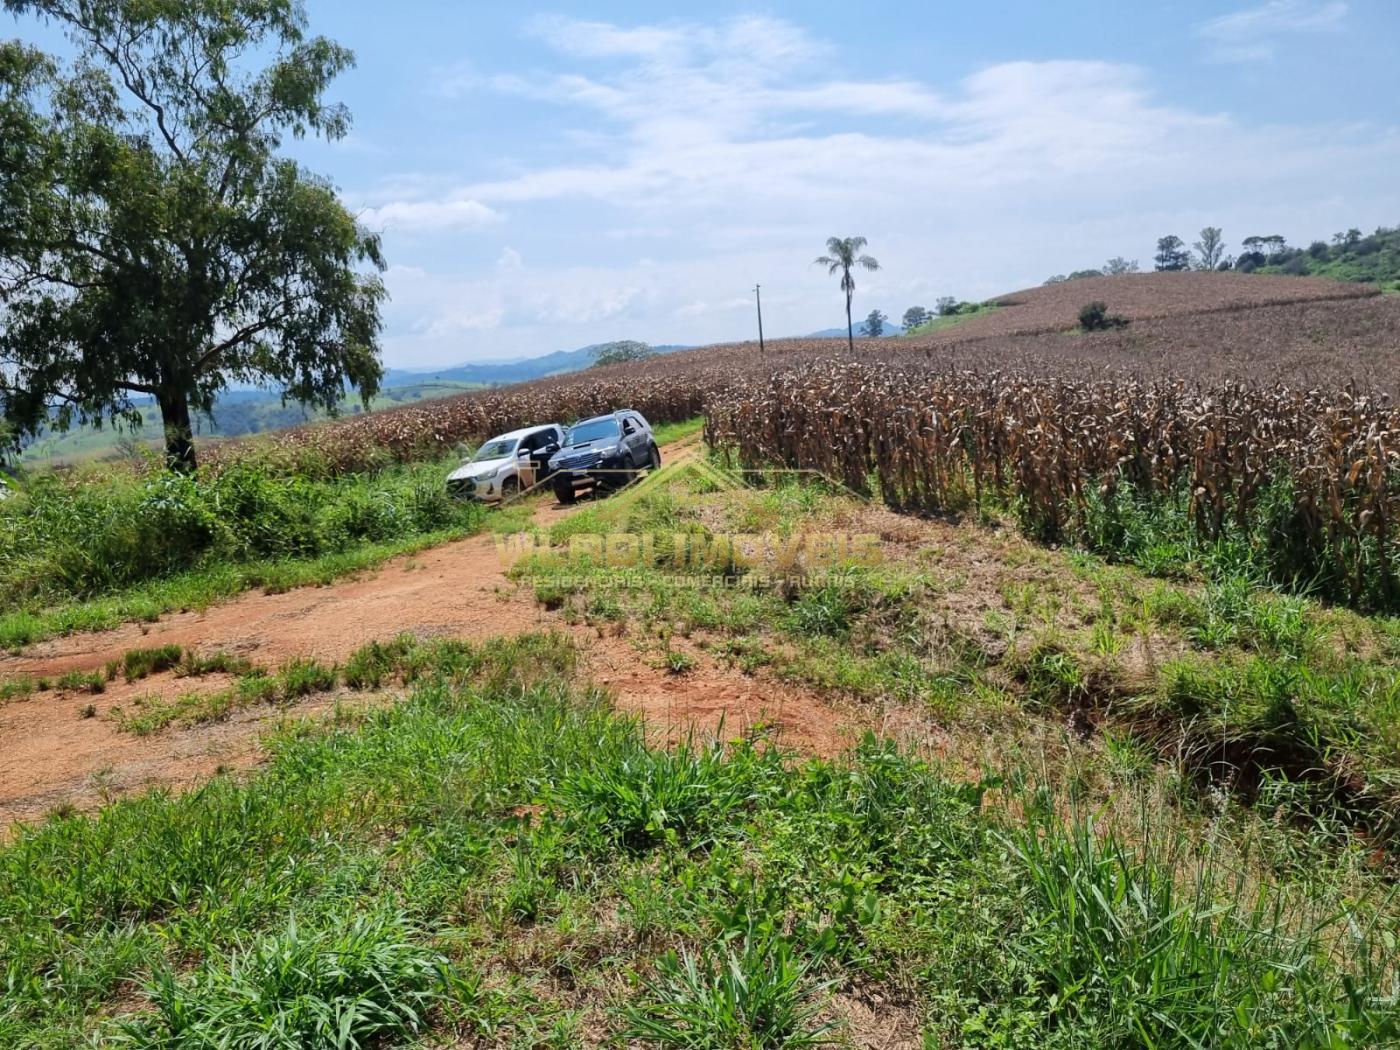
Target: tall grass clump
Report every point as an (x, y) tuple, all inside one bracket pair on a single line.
[(758, 993), (365, 981), (1130, 953), (63, 539)]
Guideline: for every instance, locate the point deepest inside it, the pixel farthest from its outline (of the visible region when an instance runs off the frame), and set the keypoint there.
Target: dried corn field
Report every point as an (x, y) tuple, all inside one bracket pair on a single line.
[(1309, 473), (1028, 329)]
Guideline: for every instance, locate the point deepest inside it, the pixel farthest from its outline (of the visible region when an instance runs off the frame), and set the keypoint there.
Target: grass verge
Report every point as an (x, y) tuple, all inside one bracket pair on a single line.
[(1280, 700), (501, 858)]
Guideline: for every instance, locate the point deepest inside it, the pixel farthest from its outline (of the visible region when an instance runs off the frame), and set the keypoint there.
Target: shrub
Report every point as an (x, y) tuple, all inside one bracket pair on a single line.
[(1094, 317), (65, 539)]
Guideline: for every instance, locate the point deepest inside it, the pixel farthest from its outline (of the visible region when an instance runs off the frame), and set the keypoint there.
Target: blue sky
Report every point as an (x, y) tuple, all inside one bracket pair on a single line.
[(548, 177)]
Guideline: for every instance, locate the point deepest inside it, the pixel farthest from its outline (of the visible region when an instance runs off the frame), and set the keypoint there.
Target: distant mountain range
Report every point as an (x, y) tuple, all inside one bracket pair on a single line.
[(491, 373), (840, 333), (494, 372)]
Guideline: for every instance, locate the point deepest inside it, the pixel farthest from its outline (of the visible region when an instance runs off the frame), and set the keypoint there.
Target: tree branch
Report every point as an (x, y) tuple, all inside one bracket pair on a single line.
[(110, 51), (247, 332)]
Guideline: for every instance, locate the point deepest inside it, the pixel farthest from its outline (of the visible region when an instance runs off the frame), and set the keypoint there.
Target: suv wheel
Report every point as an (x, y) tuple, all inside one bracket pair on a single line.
[(510, 487), (564, 490), (655, 463)]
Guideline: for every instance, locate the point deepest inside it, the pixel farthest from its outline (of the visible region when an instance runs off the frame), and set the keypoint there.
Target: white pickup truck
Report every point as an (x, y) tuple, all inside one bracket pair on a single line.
[(507, 464)]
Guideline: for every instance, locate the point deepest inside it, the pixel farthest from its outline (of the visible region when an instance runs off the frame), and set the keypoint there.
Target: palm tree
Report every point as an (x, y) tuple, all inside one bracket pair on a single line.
[(844, 255)]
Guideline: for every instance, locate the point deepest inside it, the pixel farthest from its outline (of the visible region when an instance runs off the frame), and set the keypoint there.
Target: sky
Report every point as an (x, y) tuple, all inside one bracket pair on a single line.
[(550, 177)]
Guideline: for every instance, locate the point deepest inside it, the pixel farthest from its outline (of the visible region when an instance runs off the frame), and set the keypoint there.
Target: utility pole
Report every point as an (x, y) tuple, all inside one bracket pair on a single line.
[(759, 300)]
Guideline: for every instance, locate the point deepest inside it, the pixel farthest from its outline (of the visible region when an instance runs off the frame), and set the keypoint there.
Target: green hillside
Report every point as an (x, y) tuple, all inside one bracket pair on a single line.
[(1349, 257)]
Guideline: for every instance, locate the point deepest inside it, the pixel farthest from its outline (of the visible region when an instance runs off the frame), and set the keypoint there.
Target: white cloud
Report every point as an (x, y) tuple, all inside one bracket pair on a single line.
[(756, 41), (433, 216), (1251, 34), (430, 215), (701, 307), (1011, 122), (439, 318)]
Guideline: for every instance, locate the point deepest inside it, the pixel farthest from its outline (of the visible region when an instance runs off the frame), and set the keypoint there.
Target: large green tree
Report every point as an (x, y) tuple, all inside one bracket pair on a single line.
[(153, 242), (843, 256)]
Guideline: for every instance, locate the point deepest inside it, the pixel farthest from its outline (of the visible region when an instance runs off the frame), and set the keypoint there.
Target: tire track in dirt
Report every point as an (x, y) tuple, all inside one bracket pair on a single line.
[(54, 753)]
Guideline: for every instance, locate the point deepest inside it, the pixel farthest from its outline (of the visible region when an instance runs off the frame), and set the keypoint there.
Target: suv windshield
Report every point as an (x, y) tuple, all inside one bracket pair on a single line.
[(497, 448), (593, 430)]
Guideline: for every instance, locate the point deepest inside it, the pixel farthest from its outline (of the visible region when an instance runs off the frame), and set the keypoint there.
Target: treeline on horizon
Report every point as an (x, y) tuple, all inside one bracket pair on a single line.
[(1350, 256)]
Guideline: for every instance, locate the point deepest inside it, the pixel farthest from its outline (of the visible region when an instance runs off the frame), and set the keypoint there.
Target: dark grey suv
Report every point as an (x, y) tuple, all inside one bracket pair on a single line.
[(604, 452)]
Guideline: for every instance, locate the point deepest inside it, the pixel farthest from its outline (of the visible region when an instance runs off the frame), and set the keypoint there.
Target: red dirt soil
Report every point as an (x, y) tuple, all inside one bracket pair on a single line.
[(50, 755)]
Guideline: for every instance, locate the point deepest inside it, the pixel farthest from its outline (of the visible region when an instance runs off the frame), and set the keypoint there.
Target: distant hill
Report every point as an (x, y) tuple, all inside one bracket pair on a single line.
[(516, 371), (890, 329)]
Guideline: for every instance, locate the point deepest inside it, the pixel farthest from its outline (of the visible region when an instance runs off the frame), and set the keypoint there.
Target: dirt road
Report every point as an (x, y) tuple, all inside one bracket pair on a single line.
[(54, 751)]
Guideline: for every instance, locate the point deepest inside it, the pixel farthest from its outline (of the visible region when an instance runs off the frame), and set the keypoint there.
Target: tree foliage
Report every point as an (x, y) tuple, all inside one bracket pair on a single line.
[(1171, 254), (1210, 249), (916, 316), (875, 324), (153, 244), (843, 256), (620, 352)]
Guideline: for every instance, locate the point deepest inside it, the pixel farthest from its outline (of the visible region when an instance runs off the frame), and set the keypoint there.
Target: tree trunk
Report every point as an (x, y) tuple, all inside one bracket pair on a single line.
[(179, 431), (850, 332)]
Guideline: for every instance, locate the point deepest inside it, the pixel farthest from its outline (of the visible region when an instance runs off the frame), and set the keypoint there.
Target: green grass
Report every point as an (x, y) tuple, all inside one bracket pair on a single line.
[(1276, 688), (501, 859), (18, 688), (939, 323), (665, 433), (760, 993), (150, 714), (364, 979), (372, 667), (86, 554), (137, 664), (82, 682)]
